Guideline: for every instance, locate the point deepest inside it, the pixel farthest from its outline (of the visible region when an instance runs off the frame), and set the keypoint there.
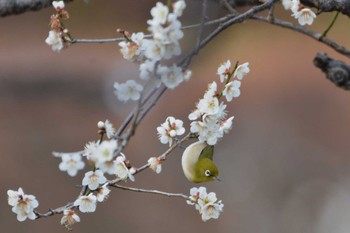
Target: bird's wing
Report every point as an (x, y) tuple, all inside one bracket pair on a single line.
[(207, 152)]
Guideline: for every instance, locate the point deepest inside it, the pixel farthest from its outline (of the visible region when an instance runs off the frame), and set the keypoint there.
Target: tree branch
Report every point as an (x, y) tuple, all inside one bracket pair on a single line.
[(342, 6), (336, 71), (14, 7), (150, 191)]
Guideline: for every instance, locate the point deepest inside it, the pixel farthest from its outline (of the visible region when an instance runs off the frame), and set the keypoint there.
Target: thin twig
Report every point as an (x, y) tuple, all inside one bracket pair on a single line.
[(163, 156), (224, 25), (201, 28), (150, 106), (324, 34), (111, 40), (51, 212), (229, 7), (150, 191), (131, 114), (317, 36)]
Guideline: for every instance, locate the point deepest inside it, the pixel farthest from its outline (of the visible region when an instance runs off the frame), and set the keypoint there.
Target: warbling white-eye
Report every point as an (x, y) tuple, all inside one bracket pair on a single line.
[(197, 163)]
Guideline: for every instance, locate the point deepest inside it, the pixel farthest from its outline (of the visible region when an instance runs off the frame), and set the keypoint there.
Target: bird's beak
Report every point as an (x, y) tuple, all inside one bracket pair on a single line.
[(217, 178)]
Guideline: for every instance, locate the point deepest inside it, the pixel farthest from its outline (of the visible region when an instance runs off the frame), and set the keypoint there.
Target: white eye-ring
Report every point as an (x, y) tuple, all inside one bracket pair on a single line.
[(207, 173)]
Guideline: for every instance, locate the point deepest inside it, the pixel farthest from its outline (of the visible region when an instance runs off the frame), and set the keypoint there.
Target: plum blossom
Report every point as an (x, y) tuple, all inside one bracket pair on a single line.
[(102, 193), (22, 204), (155, 164), (128, 90), (58, 5), (86, 204), (55, 41), (206, 203), (241, 71), (71, 163), (93, 179), (69, 218), (168, 130), (305, 16), (232, 90), (224, 71), (121, 171)]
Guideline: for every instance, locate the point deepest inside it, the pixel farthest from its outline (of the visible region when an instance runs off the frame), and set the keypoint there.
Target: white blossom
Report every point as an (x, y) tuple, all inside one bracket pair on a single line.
[(90, 150), (147, 69), (292, 5), (110, 131), (194, 115), (172, 76), (14, 196), (178, 7), (226, 125), (211, 210), (232, 90), (224, 71), (169, 129), (155, 164), (241, 71), (55, 41), (195, 195), (133, 50), (121, 171), (107, 167), (93, 179), (71, 163), (105, 152), (206, 203), (305, 16), (128, 90), (58, 5), (102, 193), (208, 105), (154, 51), (22, 204), (69, 218), (159, 13), (86, 204)]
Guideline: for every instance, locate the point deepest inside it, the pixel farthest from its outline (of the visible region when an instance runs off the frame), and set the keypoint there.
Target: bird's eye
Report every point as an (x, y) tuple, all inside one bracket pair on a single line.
[(207, 173)]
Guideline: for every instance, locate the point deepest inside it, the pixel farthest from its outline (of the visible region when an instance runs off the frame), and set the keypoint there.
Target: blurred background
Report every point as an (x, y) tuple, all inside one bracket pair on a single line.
[(284, 165)]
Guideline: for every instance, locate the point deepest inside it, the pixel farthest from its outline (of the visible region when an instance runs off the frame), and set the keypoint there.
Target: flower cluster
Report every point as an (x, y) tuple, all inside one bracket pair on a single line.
[(102, 155), (165, 29), (58, 34), (22, 204), (209, 118), (302, 14), (206, 203), (168, 130)]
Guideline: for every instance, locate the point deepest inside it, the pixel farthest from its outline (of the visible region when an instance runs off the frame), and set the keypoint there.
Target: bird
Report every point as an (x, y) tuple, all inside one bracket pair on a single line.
[(197, 163)]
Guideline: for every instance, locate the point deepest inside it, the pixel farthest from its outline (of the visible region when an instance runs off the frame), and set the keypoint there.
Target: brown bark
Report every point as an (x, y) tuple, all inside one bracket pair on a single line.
[(338, 72)]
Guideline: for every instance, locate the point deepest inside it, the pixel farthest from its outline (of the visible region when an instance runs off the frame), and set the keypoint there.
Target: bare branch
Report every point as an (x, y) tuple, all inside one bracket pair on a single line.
[(224, 25), (315, 35), (150, 191)]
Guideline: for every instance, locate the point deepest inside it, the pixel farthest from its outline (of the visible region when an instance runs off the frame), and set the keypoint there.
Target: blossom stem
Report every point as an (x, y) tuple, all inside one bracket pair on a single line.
[(324, 34)]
